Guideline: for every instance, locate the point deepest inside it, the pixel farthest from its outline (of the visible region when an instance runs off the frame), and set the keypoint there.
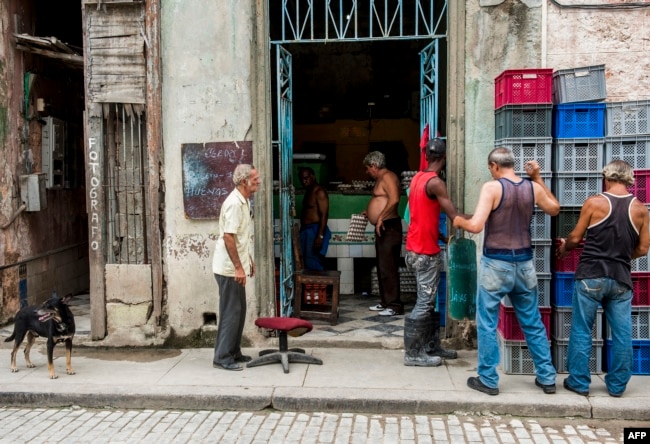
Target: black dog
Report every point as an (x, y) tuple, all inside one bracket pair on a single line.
[(52, 320)]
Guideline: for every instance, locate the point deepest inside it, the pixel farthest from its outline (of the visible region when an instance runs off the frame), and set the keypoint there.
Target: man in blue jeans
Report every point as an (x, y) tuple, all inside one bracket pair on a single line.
[(616, 224), (505, 209)]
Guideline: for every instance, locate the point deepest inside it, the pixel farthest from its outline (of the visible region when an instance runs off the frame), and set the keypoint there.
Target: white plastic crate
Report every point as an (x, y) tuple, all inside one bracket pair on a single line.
[(578, 155), (540, 226), (572, 189), (542, 255), (561, 323), (641, 264), (515, 357), (523, 150), (627, 118), (559, 352), (543, 291), (640, 324), (635, 150)]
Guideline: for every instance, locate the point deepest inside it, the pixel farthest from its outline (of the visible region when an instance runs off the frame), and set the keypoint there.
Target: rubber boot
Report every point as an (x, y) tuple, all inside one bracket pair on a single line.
[(433, 347), (414, 337)]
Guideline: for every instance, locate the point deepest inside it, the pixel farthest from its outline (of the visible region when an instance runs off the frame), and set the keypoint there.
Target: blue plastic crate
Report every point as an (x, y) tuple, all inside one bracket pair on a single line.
[(640, 356), (442, 298), (562, 295), (579, 120)]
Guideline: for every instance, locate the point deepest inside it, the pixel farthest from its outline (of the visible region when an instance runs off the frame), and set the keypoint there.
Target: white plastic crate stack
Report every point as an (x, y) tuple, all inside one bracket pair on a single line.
[(628, 138), (523, 117), (578, 160)]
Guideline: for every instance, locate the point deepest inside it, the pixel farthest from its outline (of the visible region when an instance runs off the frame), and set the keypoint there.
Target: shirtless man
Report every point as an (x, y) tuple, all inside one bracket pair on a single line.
[(314, 233), (382, 213)]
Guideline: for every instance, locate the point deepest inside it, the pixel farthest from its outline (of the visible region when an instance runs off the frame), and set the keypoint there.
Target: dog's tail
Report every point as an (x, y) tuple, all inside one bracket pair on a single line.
[(11, 338)]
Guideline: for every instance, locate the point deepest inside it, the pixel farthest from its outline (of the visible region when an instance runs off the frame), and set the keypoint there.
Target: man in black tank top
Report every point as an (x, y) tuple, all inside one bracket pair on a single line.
[(505, 208), (616, 224)]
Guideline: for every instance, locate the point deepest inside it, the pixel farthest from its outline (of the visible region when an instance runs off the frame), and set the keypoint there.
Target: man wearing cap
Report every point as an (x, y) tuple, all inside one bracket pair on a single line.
[(427, 195)]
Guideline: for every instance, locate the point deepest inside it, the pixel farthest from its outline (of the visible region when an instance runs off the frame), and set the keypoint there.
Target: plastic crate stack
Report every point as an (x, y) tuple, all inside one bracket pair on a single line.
[(628, 138), (578, 160), (523, 123)]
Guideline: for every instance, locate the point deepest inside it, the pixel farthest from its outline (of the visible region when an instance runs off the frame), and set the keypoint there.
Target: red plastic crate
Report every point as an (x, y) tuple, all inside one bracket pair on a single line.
[(641, 289), (570, 262), (641, 187), (523, 86), (509, 327)]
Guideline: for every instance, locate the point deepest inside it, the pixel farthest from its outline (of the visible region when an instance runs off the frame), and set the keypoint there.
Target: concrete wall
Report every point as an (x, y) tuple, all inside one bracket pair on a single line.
[(619, 39), (206, 52)]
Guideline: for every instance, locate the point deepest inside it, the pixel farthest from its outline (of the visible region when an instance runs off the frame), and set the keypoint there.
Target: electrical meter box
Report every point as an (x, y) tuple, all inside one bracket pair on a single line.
[(32, 191), (53, 152)]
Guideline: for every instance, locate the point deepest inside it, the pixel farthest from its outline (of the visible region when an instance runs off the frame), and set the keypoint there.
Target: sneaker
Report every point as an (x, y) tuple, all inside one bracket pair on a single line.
[(549, 389), (615, 395), (475, 383), (388, 312), (377, 307), (571, 389)]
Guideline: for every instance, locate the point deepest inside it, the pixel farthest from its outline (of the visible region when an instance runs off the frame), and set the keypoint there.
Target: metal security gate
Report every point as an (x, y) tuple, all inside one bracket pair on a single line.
[(429, 88), (285, 144), (312, 21)]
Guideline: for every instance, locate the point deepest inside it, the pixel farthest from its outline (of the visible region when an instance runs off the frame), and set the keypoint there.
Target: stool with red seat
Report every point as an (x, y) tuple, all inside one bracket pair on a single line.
[(284, 326)]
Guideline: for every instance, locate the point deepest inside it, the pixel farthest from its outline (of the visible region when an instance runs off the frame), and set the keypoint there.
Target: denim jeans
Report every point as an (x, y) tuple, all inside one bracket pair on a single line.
[(616, 300), (427, 276), (518, 280)]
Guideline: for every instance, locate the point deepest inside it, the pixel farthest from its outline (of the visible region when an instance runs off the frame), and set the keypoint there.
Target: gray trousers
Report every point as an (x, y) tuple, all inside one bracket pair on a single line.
[(232, 315)]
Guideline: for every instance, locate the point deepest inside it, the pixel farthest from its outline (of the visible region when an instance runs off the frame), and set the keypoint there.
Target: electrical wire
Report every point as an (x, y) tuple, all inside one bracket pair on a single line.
[(614, 6)]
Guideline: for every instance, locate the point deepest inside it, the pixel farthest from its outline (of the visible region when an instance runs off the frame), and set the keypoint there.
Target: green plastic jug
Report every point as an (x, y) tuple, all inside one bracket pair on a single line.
[(462, 278)]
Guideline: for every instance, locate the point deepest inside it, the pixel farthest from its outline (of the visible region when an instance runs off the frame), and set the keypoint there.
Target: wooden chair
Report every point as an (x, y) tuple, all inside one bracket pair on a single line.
[(328, 311)]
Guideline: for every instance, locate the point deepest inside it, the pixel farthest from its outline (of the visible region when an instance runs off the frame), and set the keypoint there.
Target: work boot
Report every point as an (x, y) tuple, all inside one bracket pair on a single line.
[(414, 353), (433, 347)]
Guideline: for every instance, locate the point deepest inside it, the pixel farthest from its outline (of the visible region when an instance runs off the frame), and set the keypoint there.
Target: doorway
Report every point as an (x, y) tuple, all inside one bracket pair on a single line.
[(359, 79)]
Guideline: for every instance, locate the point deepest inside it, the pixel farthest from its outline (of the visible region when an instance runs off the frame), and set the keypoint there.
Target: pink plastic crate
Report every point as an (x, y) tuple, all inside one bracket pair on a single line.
[(523, 86), (509, 327), (570, 262), (641, 289), (641, 187)]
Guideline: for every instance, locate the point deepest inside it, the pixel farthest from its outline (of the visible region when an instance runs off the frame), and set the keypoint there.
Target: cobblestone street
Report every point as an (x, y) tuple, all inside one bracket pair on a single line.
[(77, 425)]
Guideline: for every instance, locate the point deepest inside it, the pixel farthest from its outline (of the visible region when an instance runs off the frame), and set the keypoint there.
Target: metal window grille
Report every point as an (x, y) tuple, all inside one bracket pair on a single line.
[(337, 20), (125, 184)]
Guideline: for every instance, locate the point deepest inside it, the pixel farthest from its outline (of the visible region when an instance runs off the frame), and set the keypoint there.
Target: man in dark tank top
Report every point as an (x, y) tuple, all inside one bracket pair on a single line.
[(616, 224), (507, 268)]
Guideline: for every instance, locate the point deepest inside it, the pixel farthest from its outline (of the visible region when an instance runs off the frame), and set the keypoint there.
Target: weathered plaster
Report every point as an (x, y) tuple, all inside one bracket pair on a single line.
[(206, 51), (619, 39), (504, 36)]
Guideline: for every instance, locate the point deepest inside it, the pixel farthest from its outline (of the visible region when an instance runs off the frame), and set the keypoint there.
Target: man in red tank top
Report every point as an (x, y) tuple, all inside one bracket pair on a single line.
[(427, 195)]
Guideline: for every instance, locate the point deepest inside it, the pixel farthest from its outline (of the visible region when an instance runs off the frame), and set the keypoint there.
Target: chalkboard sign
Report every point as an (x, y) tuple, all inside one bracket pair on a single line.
[(207, 175)]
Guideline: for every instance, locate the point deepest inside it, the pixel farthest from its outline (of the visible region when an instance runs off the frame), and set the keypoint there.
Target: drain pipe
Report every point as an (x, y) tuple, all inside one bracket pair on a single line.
[(15, 215)]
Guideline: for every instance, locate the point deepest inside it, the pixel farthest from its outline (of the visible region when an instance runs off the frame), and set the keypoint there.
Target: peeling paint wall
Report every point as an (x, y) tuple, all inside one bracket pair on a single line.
[(619, 39), (206, 96), (46, 241), (500, 35)]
